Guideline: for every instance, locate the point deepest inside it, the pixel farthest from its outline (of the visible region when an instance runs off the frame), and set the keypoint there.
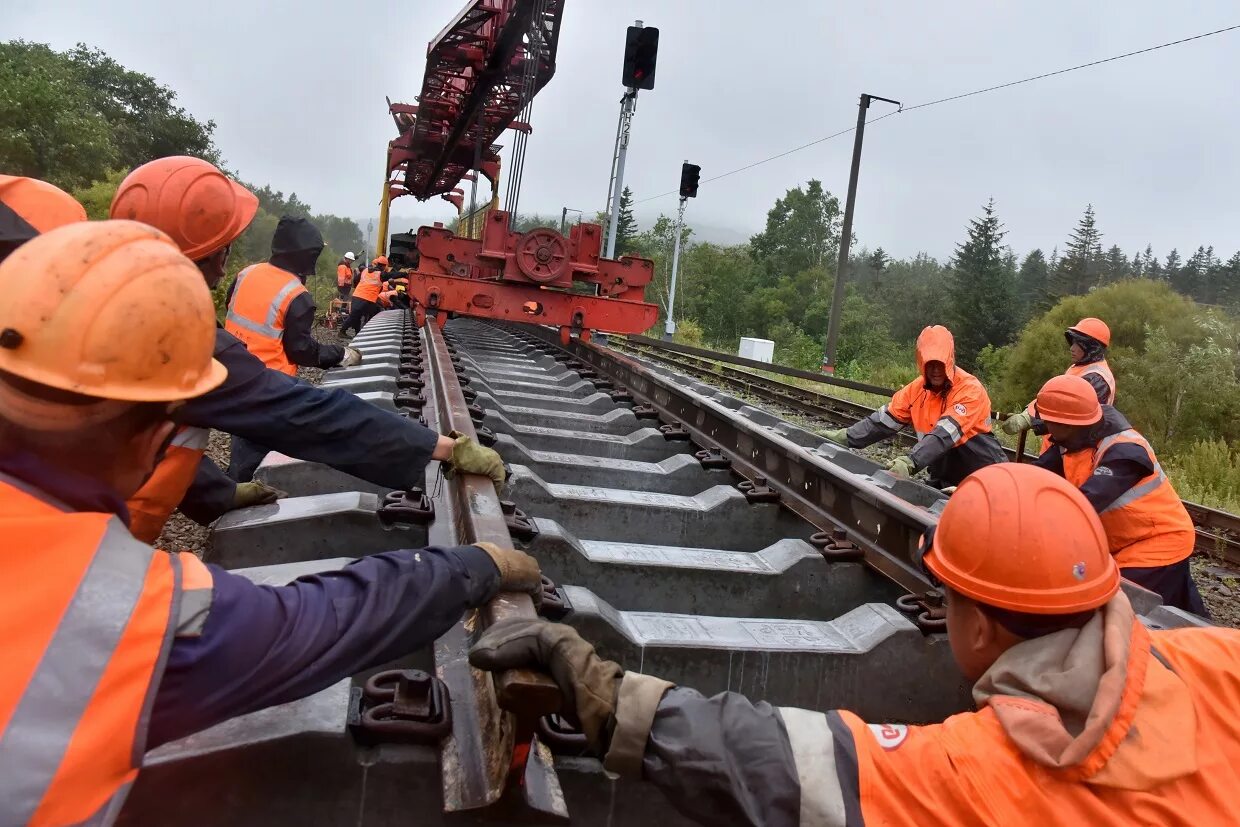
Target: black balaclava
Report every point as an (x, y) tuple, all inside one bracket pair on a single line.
[(296, 246)]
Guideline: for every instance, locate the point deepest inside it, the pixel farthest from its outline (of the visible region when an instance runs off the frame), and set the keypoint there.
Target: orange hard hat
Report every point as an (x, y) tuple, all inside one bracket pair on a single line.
[(380, 260), (1068, 400), (1094, 329), (1021, 538), (200, 207), (39, 206), (109, 309)]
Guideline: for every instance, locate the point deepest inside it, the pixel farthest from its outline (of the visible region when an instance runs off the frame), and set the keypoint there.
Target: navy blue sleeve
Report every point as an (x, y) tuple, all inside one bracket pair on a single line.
[(210, 495), (299, 346), (328, 426), (1122, 467), (1101, 388), (267, 645), (1051, 460)]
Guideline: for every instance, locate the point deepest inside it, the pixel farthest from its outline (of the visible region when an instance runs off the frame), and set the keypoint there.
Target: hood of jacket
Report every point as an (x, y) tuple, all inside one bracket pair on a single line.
[(296, 245), (1094, 704), (936, 344)]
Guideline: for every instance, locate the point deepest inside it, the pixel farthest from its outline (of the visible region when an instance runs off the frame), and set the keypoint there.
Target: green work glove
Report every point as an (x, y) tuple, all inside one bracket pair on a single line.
[(255, 493), (518, 571), (469, 457), (1016, 423), (839, 437), (902, 467), (590, 685)]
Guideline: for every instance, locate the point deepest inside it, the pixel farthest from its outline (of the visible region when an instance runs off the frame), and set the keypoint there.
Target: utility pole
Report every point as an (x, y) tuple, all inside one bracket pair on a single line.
[(837, 299), (641, 50), (669, 326), (370, 228)]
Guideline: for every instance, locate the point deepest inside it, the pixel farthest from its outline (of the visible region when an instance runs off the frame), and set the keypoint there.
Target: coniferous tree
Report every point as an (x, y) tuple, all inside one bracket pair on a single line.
[(982, 288), (626, 225), (1081, 266), (1031, 282), (1116, 267)]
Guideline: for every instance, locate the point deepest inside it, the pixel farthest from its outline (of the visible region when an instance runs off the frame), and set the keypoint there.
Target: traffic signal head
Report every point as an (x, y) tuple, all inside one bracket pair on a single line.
[(689, 174), (641, 49)]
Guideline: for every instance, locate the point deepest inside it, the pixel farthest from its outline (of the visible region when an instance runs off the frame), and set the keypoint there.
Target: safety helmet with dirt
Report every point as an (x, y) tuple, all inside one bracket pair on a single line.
[(1068, 400)]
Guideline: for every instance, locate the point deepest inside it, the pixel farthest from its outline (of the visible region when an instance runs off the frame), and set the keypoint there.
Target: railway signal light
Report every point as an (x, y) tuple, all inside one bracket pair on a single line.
[(641, 49), (689, 175)]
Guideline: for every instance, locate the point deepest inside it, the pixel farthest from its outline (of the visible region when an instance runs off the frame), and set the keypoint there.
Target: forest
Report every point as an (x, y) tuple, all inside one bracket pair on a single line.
[(81, 120)]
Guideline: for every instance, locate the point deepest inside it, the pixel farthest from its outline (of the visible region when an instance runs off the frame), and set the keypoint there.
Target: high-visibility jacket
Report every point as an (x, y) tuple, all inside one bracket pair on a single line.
[(344, 275), (89, 616), (260, 300), (159, 496), (1148, 524), (369, 287)]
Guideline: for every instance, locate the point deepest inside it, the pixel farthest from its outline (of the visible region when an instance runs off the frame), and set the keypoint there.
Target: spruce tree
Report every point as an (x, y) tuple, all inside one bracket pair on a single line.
[(1116, 266), (982, 288), (1081, 266), (626, 225), (1031, 281)]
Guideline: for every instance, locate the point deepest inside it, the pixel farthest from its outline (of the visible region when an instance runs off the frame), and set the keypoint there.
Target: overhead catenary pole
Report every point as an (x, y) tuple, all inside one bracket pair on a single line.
[(837, 299), (669, 325)]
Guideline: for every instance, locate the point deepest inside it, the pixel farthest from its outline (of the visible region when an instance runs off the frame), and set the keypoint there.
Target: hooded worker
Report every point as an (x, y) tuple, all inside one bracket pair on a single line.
[(205, 213), (1148, 529), (366, 295), (948, 408), (270, 309), (1088, 341), (344, 275), (111, 647), (1084, 717), (28, 207)]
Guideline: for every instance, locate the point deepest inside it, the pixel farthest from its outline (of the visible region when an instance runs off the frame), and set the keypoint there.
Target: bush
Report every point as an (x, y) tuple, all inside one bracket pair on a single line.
[(688, 332), (1208, 472)]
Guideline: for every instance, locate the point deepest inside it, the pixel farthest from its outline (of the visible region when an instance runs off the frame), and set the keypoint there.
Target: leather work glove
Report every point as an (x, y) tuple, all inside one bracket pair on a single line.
[(518, 571), (902, 467), (471, 458), (255, 493), (589, 684), (1016, 423), (352, 357), (839, 437)]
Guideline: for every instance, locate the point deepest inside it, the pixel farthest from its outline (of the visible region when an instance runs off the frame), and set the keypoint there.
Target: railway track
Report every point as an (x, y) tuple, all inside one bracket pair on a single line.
[(685, 532), (1218, 532)]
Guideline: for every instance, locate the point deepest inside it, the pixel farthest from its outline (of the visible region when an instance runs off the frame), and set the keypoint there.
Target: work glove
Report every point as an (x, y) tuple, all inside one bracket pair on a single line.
[(1016, 423), (255, 493), (518, 571), (589, 684), (352, 356), (902, 467), (469, 457), (839, 437)]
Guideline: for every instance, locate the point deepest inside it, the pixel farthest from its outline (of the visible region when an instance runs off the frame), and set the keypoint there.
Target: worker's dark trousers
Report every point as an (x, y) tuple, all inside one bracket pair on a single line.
[(1174, 583), (244, 459), (360, 313)]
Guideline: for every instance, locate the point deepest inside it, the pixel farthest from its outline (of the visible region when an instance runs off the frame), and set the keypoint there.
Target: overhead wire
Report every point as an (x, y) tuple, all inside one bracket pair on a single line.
[(950, 98)]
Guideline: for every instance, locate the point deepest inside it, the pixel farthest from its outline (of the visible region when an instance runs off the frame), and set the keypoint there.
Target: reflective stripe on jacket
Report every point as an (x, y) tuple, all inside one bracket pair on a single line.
[(159, 496), (370, 285), (260, 299), (1148, 524), (89, 615)]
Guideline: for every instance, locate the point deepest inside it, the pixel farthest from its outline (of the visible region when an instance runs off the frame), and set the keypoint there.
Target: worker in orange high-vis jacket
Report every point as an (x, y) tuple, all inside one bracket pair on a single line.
[(205, 212), (111, 647), (1084, 717), (948, 408), (344, 276), (28, 207), (366, 295), (270, 309), (1094, 448), (1088, 341)]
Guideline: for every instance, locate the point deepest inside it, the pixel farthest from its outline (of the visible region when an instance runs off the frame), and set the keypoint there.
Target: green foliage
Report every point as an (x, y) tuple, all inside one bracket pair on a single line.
[(982, 289), (802, 232), (1208, 472), (626, 224), (1081, 267), (688, 332), (69, 117), (97, 198)]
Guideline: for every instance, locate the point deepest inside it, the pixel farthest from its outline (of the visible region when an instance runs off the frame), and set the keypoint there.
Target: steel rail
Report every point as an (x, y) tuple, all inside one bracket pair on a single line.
[(476, 760)]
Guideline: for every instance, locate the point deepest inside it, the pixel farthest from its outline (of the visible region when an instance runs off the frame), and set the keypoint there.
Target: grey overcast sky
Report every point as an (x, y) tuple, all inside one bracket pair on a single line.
[(297, 92)]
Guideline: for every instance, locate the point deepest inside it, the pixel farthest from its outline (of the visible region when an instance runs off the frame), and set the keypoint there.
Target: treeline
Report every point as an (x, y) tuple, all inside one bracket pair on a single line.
[(82, 121)]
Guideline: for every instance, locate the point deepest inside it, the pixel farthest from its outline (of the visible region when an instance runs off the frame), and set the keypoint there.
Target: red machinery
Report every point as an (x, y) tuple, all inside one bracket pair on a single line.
[(532, 277)]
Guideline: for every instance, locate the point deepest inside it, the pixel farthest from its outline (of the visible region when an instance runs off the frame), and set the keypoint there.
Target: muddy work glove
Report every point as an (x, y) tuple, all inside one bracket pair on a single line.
[(469, 457), (902, 467), (839, 437), (352, 357), (255, 493), (1016, 423), (589, 684), (518, 571)]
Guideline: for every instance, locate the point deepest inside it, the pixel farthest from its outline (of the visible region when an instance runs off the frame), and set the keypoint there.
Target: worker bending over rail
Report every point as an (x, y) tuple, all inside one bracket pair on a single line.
[(1148, 529), (111, 647), (205, 212), (948, 408), (1088, 341), (1084, 716)]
